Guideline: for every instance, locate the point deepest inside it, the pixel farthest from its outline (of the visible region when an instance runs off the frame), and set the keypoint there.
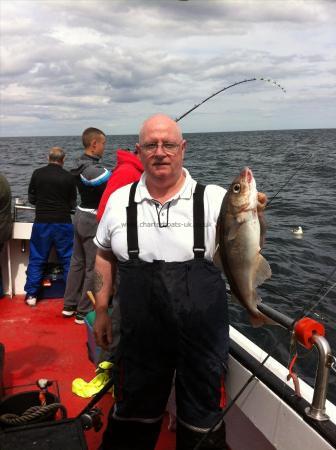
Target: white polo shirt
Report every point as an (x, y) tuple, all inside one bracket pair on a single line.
[(165, 232)]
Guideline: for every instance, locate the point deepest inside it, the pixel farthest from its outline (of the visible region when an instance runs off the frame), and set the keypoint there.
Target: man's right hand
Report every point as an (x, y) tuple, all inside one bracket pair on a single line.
[(102, 329)]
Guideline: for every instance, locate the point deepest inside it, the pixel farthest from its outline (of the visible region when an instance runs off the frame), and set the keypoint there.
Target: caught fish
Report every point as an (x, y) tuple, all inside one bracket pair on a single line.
[(240, 236)]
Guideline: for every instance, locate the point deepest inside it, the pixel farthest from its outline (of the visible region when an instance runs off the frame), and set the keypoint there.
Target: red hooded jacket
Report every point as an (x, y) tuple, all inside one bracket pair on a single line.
[(128, 169)]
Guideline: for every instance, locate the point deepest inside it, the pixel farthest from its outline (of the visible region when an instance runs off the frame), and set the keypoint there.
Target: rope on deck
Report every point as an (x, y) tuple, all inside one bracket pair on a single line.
[(31, 414)]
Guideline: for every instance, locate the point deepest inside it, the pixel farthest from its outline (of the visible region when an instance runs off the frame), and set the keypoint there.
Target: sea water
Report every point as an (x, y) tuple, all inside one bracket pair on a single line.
[(298, 163)]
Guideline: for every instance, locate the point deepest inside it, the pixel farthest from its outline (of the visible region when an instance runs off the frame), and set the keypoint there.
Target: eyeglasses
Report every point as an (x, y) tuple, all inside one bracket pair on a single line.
[(168, 147)]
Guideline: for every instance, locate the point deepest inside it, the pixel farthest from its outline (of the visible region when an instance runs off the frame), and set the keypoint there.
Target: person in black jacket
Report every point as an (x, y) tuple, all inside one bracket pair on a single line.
[(6, 224), (91, 178), (53, 192), (5, 211)]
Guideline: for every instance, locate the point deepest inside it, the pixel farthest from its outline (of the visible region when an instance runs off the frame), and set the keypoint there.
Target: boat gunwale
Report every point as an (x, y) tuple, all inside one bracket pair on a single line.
[(326, 429)]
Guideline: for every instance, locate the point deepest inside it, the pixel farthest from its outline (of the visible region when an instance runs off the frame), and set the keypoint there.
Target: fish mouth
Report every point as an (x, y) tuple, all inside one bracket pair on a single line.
[(247, 174)]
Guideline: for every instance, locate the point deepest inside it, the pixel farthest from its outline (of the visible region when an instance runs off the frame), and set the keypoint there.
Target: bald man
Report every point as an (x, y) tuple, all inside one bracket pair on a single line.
[(160, 232)]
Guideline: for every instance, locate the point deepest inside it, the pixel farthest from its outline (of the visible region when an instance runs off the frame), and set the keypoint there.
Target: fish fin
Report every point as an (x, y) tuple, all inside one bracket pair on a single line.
[(258, 319), (217, 259), (256, 322), (263, 271), (233, 231)]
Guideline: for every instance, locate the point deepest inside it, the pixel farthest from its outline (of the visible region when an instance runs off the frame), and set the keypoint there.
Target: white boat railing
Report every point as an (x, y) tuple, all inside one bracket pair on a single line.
[(317, 409), (20, 204)]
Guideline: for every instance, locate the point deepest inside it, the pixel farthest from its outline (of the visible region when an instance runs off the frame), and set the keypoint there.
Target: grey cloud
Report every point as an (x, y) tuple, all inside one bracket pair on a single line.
[(147, 55), (171, 18)]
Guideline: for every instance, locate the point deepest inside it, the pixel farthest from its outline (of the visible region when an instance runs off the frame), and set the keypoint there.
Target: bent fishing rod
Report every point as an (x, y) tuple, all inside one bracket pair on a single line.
[(267, 80)]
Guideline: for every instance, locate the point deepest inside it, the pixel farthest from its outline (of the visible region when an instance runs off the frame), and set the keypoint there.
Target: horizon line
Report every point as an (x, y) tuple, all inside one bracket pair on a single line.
[(184, 133)]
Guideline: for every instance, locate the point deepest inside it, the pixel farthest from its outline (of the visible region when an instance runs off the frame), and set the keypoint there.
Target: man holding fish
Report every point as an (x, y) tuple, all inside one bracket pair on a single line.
[(161, 233)]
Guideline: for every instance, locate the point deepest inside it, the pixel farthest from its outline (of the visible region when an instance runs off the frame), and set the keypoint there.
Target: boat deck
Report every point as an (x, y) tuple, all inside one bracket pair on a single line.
[(40, 343)]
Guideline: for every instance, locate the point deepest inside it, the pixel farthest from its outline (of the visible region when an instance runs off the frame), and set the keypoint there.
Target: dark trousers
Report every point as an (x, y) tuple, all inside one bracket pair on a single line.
[(173, 317), (80, 277)]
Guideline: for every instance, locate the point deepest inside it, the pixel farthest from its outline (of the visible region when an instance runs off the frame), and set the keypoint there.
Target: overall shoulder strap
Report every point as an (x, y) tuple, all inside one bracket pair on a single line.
[(132, 224), (199, 230)]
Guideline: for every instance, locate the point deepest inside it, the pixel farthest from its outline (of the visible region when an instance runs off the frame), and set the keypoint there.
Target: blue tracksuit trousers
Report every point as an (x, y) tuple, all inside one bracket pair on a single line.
[(43, 237)]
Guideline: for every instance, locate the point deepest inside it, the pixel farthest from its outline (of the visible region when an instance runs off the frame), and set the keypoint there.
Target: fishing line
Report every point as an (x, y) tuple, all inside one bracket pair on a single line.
[(235, 398), (319, 292), (309, 309), (262, 363), (289, 179), (267, 80), (232, 402)]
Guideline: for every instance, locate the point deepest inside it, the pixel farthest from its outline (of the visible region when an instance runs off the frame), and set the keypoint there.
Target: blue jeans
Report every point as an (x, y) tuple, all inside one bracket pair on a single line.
[(43, 237)]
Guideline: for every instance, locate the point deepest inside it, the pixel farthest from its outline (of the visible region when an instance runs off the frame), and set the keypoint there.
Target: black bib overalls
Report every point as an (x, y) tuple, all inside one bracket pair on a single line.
[(174, 317)]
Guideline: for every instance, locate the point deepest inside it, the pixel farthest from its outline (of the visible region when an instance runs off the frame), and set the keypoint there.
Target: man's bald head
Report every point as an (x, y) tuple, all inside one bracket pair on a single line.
[(159, 122)]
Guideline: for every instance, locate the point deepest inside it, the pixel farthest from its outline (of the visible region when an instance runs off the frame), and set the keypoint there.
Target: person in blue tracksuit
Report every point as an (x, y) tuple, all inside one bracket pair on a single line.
[(91, 179), (53, 191)]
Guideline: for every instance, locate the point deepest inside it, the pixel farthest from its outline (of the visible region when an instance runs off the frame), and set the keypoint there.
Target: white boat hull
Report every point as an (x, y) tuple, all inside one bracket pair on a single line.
[(260, 419)]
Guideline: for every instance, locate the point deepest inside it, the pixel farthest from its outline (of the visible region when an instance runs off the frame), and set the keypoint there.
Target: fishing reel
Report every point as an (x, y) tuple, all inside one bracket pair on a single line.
[(92, 419)]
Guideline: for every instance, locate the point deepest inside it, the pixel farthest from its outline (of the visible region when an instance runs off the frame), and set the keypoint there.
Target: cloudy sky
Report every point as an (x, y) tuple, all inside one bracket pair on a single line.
[(67, 65)]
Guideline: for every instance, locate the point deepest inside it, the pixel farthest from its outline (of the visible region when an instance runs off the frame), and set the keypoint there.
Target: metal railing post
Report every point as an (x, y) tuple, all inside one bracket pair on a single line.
[(317, 409)]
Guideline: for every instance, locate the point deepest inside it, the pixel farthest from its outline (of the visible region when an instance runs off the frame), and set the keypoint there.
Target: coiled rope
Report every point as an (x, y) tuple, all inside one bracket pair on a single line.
[(32, 414)]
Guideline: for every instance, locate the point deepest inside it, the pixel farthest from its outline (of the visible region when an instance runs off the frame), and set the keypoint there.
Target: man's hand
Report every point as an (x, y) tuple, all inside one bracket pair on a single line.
[(102, 330), (103, 282)]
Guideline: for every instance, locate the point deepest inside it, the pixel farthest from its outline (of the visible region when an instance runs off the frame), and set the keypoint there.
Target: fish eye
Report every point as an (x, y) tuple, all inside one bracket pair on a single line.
[(236, 188)]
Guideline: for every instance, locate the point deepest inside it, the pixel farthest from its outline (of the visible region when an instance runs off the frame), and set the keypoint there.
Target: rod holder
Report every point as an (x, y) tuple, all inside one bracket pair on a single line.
[(277, 316), (316, 410)]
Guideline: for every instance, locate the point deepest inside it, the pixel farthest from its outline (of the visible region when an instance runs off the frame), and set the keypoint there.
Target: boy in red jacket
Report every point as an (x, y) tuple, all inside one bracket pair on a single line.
[(128, 169)]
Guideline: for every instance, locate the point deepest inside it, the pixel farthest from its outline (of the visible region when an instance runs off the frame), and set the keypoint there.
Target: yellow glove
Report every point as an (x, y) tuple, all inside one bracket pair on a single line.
[(84, 389)]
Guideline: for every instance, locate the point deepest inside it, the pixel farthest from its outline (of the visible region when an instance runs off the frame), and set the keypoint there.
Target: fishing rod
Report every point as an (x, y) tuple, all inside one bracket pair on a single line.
[(267, 80)]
